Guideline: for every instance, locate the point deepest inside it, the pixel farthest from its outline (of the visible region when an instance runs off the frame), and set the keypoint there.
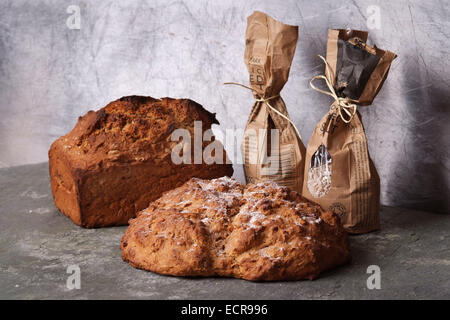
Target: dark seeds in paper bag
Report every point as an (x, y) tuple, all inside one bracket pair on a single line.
[(339, 174), (353, 69)]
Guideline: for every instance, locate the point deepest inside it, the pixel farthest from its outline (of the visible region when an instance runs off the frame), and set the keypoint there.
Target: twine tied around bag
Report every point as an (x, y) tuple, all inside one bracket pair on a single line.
[(266, 102), (345, 105)]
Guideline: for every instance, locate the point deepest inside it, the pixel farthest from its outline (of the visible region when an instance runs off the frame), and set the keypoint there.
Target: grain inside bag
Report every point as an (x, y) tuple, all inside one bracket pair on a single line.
[(339, 173), (272, 148)]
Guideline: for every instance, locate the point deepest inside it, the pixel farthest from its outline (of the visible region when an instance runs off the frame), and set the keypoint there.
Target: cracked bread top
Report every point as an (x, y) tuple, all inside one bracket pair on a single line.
[(221, 227), (131, 129)]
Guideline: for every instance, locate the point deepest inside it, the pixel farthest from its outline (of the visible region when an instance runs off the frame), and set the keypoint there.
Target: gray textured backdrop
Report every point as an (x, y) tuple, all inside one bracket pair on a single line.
[(50, 74)]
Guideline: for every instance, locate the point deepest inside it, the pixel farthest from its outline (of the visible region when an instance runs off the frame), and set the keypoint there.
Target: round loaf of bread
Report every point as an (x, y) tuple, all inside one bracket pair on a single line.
[(219, 227)]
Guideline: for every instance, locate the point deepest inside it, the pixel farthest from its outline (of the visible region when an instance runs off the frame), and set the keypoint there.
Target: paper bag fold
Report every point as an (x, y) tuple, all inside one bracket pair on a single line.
[(347, 182), (270, 48)]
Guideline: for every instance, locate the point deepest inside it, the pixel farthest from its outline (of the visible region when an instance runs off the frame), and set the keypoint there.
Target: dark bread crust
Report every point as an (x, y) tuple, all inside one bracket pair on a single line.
[(220, 227), (117, 160)]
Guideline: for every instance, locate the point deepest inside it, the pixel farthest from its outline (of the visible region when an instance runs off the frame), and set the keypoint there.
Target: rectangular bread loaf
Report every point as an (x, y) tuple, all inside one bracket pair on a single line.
[(117, 160)]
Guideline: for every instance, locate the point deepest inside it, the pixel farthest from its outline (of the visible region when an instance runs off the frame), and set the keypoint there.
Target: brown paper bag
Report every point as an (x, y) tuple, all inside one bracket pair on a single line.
[(272, 148), (339, 173)]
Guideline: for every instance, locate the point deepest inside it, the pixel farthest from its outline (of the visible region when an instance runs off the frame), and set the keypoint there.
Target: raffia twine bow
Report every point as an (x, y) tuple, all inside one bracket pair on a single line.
[(342, 105), (266, 102)]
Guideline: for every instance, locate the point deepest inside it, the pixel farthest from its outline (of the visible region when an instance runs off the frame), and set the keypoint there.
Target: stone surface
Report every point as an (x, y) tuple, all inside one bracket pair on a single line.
[(37, 244), (188, 48)]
